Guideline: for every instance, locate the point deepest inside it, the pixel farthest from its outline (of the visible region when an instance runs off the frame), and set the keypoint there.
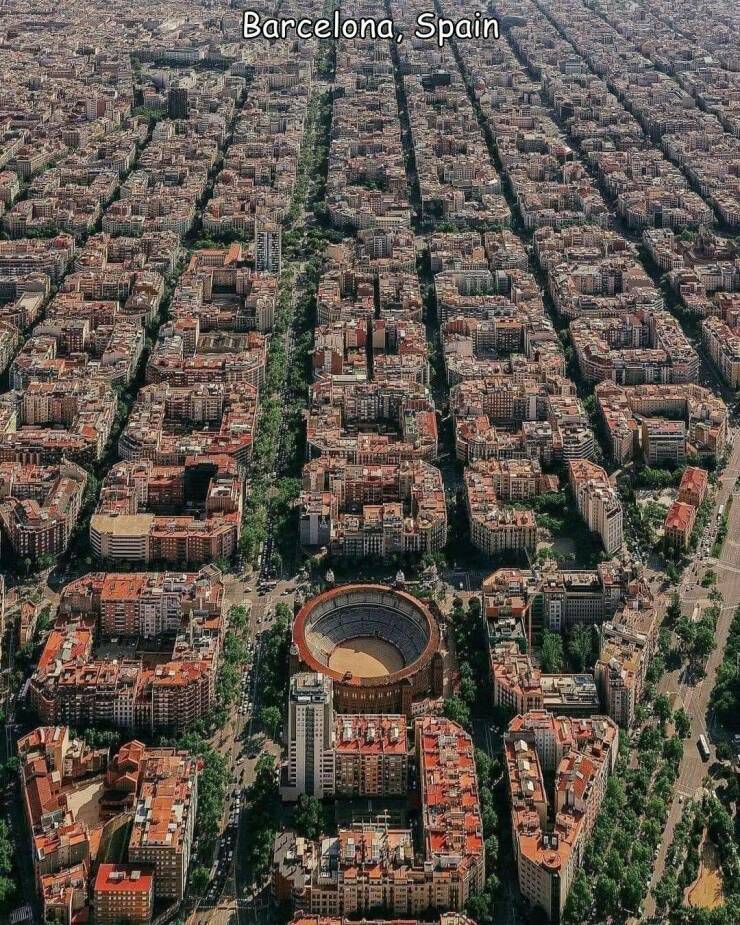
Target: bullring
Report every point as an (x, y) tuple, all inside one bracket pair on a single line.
[(380, 647)]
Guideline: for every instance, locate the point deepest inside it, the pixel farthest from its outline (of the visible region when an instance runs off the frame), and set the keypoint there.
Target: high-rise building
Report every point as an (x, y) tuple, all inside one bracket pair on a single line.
[(177, 103), (597, 501), (268, 247), (310, 766)]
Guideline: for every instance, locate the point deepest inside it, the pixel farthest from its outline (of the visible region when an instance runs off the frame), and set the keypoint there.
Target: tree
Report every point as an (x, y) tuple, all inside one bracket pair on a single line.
[(606, 896), (631, 890), (655, 670), (580, 899), (238, 617), (491, 848), (479, 908), (264, 775), (7, 883), (283, 614), (468, 690), (662, 708), (457, 710), (484, 765), (673, 752), (579, 646), (686, 632), (308, 817), (673, 612), (270, 718), (682, 722), (199, 880), (665, 892), (552, 653), (703, 643), (672, 573)]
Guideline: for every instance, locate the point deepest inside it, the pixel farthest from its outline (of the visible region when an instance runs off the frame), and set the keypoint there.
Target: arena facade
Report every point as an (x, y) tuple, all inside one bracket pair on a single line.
[(380, 647)]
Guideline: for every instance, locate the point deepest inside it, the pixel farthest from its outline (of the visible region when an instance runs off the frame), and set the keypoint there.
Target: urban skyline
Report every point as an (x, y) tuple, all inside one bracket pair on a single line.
[(369, 461)]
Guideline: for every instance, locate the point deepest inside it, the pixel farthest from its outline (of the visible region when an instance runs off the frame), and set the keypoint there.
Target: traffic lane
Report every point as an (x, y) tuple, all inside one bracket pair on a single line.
[(693, 768)]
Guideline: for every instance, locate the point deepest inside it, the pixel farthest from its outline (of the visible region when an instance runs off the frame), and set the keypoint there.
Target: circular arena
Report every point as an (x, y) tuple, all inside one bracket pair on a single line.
[(380, 647)]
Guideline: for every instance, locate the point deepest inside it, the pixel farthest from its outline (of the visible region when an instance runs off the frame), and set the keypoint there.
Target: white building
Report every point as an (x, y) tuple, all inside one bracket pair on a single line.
[(310, 767), (268, 244)]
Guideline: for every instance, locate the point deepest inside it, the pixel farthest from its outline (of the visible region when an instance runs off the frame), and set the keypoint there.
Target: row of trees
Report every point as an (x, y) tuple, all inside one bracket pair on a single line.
[(719, 540), (7, 880), (646, 477), (212, 786), (725, 697), (286, 384), (231, 670), (471, 646), (274, 668), (264, 453), (619, 858), (263, 818), (691, 642), (481, 906), (707, 822)]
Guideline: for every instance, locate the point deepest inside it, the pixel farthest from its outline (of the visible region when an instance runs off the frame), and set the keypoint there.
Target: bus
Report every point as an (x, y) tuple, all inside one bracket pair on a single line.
[(703, 747)]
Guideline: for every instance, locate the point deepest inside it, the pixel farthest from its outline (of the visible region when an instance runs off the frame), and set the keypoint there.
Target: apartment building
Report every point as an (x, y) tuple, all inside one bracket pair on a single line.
[(49, 257), (519, 686), (692, 488), (362, 510), (168, 424), (492, 483), (634, 414), (141, 511), (679, 525), (56, 421), (371, 755), (722, 341), (597, 502), (371, 422), (58, 776), (550, 834), (164, 819), (370, 866), (39, 507), (628, 643), (268, 245), (170, 690), (310, 767), (495, 529), (123, 893), (446, 918)]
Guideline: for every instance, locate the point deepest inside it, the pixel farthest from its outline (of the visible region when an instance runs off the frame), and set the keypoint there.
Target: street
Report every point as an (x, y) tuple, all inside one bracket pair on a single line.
[(694, 698), (228, 889)]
